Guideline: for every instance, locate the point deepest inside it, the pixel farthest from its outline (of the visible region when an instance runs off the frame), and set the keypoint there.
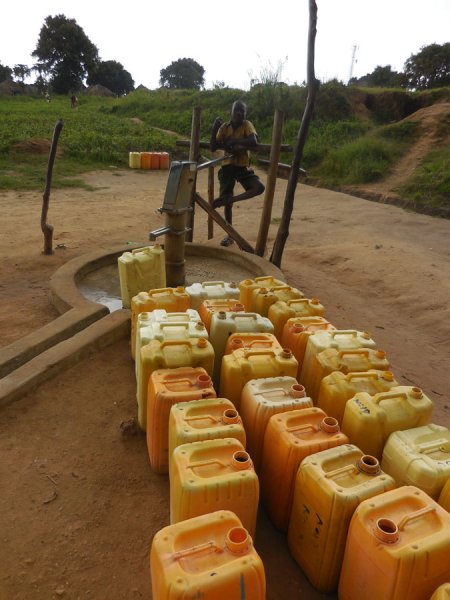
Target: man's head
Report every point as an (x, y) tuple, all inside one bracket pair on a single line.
[(238, 112)]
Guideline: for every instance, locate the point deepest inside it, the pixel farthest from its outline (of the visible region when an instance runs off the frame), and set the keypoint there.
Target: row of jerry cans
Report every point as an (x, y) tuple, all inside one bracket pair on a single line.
[(148, 160)]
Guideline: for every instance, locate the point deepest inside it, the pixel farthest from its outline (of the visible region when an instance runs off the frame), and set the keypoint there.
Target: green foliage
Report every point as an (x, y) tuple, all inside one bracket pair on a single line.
[(20, 72), (362, 161), (113, 76), (5, 73), (184, 73), (327, 136), (65, 53), (429, 68), (382, 77), (332, 103)]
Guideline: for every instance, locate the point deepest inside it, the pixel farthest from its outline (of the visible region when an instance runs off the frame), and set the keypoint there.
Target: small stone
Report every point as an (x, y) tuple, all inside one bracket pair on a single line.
[(60, 591)]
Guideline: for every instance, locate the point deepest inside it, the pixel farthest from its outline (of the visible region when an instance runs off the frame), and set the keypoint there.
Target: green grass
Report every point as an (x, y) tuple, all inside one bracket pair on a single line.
[(430, 184)]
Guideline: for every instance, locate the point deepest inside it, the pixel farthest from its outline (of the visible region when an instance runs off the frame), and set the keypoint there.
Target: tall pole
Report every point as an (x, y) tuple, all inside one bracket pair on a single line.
[(313, 86), (194, 153), (270, 183)]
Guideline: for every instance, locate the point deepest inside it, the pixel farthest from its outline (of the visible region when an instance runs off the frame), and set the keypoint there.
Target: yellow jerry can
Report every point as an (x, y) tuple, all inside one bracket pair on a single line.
[(171, 324), (263, 298), (340, 339), (296, 333), (244, 364), (170, 354), (211, 289), (223, 324), (289, 438), (281, 311), (369, 420), (209, 557), (329, 486), (398, 547), (139, 270), (262, 398), (215, 305), (252, 341), (346, 361), (247, 286), (337, 388), (134, 160), (444, 497), (420, 457), (169, 299), (200, 420), (213, 475)]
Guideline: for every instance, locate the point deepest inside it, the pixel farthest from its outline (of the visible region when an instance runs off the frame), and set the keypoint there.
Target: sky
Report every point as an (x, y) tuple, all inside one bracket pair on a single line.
[(236, 42)]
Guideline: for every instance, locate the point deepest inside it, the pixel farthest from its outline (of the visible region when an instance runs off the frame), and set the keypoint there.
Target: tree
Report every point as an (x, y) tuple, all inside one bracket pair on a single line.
[(20, 72), (429, 68), (184, 73), (113, 76), (380, 77), (66, 53), (5, 73)]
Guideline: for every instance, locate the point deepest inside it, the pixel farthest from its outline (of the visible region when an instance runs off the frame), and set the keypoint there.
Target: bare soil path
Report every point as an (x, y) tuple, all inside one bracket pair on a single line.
[(79, 502)]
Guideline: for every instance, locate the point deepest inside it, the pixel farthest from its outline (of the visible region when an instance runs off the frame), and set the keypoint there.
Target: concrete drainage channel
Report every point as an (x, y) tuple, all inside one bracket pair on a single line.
[(86, 326)]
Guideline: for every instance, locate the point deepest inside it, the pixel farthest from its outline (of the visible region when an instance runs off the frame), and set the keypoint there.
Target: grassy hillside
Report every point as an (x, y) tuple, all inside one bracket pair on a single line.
[(357, 135)]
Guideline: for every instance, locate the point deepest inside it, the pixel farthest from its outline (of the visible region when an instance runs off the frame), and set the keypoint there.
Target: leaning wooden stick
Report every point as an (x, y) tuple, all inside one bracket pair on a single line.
[(47, 229)]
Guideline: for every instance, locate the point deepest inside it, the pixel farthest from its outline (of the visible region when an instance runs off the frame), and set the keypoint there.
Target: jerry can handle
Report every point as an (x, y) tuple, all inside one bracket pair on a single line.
[(165, 343), (239, 315), (363, 375), (336, 332), (205, 463), (145, 249), (261, 344), (340, 471), (297, 301), (415, 515), (258, 352), (362, 351), (169, 324), (211, 545), (389, 396), (202, 418), (306, 427), (428, 447), (213, 284), (157, 291), (264, 278), (280, 288)]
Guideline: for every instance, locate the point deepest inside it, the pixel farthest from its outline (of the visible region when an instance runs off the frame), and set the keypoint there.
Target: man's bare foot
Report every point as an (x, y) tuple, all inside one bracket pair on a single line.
[(222, 201)]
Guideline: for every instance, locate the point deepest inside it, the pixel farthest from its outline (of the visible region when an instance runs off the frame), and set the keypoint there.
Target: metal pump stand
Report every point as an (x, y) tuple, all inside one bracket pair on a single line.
[(176, 205)]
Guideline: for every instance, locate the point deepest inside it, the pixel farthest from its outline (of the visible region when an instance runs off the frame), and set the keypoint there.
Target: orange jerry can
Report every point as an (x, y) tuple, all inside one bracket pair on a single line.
[(263, 298), (346, 361), (398, 547), (169, 299), (213, 475), (169, 354), (208, 557), (289, 438), (369, 420), (167, 387), (296, 333), (262, 398), (204, 420), (164, 160), (444, 497), (155, 160), (146, 160), (329, 486), (420, 457), (223, 324), (442, 593), (337, 388), (280, 312), (247, 286), (215, 305), (244, 364), (252, 341), (340, 339), (211, 289)]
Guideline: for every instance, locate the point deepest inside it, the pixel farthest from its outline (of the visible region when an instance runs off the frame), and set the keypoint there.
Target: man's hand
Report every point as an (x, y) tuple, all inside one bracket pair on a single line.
[(217, 123)]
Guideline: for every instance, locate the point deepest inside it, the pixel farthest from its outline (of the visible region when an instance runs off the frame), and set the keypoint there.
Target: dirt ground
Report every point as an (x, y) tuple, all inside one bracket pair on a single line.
[(79, 502)]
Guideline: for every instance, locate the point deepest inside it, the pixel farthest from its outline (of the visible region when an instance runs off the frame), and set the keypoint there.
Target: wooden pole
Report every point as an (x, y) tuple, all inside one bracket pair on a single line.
[(47, 229), (313, 86), (270, 183), (194, 155), (210, 200)]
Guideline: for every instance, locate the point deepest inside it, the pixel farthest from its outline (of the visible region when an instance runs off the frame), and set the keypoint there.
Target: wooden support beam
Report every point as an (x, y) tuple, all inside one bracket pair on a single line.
[(259, 148), (283, 169), (210, 200), (240, 241), (194, 155), (270, 183)]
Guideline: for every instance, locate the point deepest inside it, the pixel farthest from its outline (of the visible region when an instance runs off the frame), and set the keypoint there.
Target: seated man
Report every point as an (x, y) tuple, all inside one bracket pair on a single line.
[(235, 137)]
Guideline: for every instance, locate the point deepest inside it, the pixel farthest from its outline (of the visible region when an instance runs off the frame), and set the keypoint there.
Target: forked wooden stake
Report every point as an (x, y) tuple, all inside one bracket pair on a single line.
[(47, 229)]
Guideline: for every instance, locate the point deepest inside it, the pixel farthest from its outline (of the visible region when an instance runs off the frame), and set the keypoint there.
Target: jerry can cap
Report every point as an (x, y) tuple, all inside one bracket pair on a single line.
[(204, 381), (388, 375), (238, 307), (297, 327), (237, 343), (329, 425), (202, 343), (241, 460), (230, 416), (180, 289), (238, 540), (315, 301), (297, 391), (386, 531), (416, 393), (369, 464), (286, 353), (381, 354)]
